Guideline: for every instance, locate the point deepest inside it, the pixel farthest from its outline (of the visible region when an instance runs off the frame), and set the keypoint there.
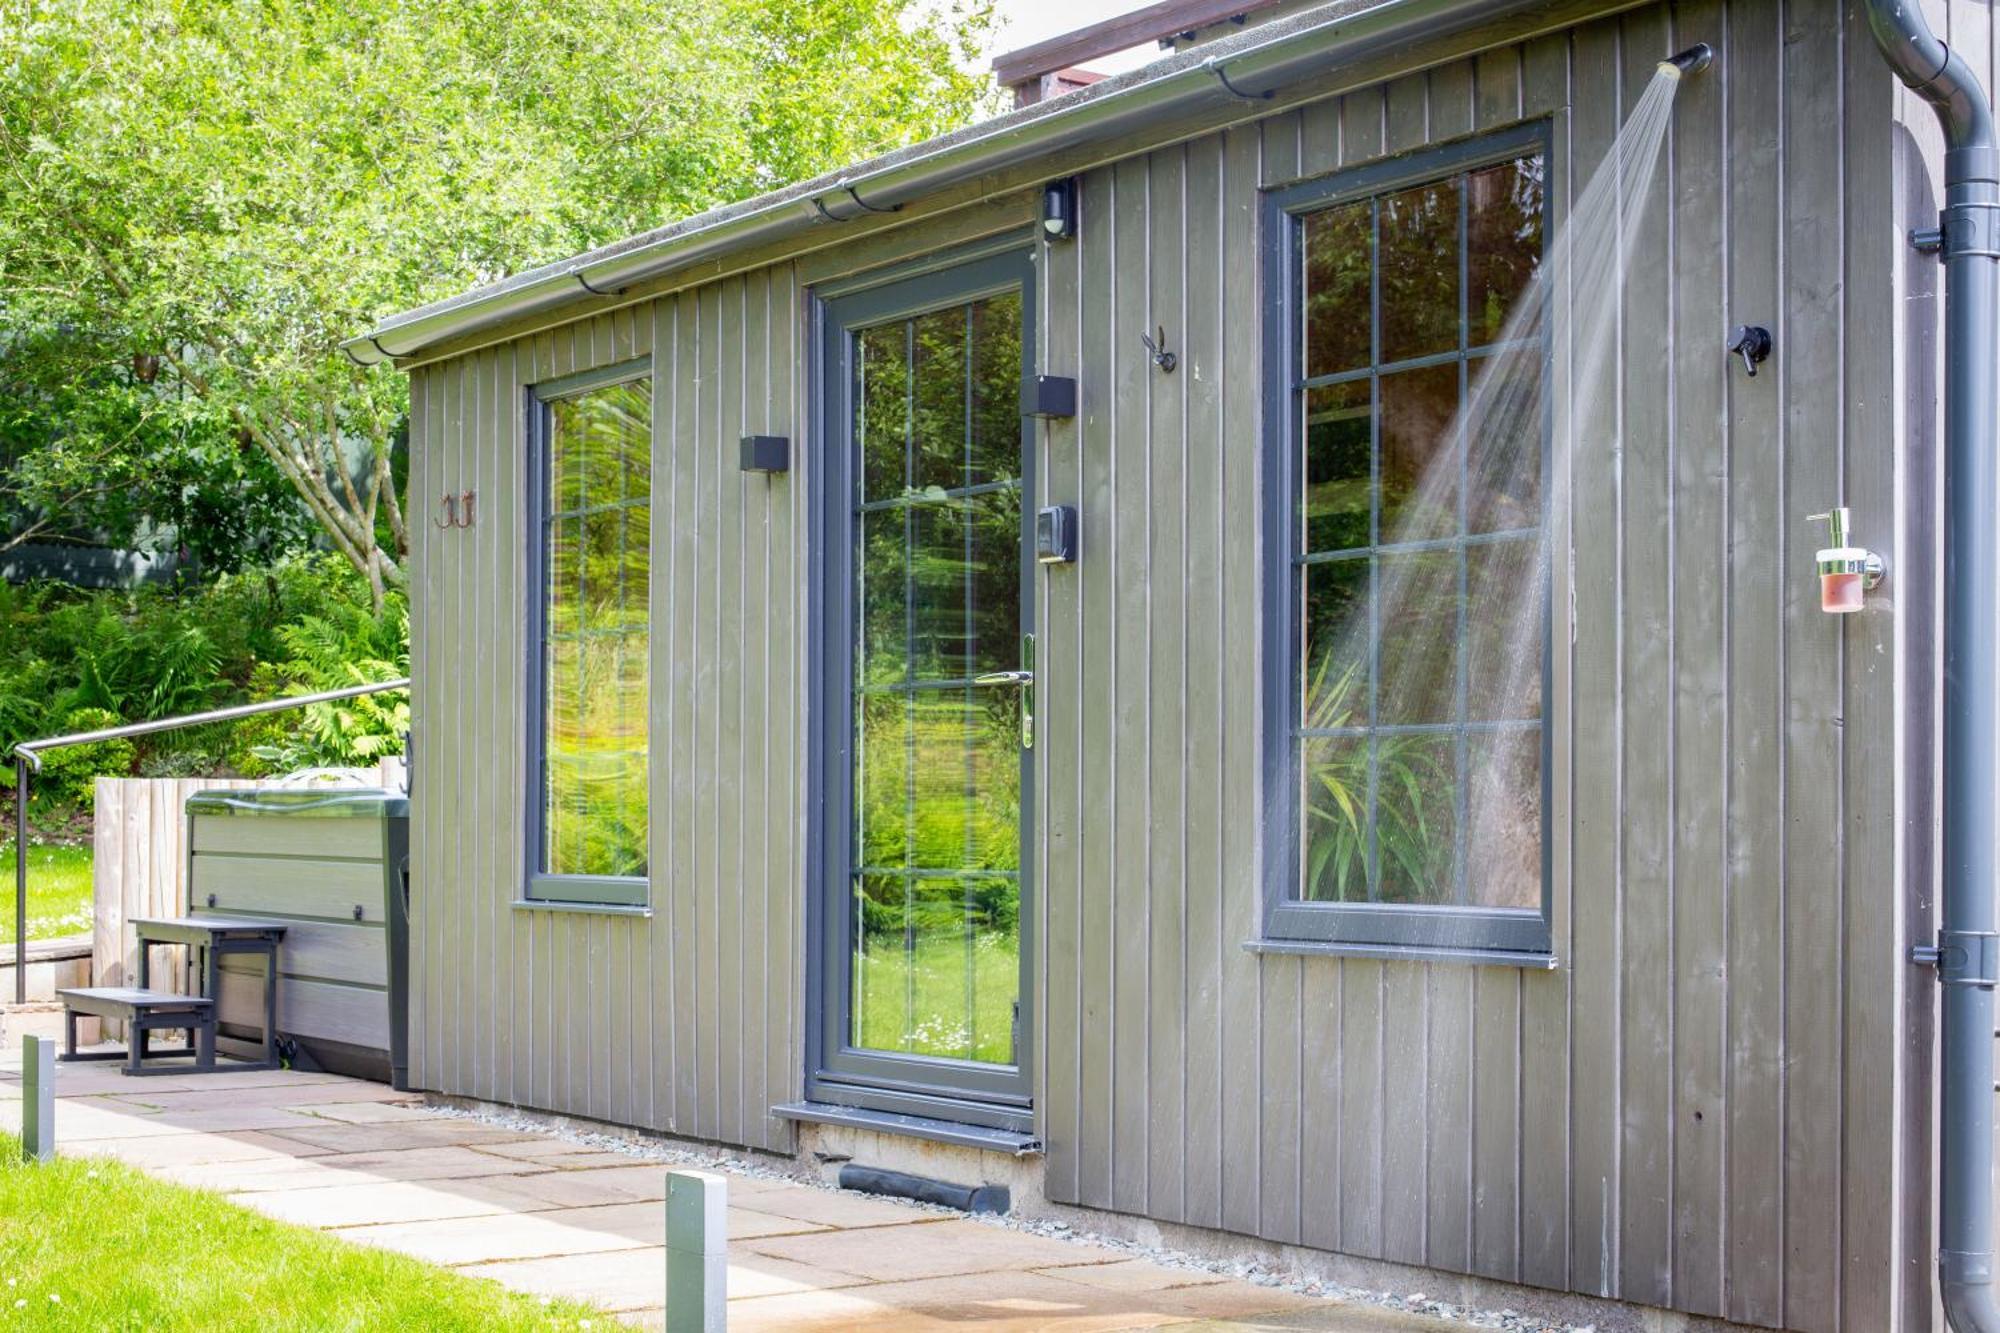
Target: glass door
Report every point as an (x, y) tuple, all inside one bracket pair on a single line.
[(928, 558)]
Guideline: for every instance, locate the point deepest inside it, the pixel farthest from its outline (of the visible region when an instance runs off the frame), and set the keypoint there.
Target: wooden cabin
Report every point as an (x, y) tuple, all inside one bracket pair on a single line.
[(906, 679)]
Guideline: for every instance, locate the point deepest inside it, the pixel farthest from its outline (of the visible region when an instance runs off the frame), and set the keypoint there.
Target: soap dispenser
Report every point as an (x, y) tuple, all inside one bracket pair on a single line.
[(1845, 572)]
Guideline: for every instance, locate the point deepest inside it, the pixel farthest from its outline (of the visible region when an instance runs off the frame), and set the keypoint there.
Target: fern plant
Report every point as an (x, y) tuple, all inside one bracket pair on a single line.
[(155, 670), (167, 650), (337, 648)]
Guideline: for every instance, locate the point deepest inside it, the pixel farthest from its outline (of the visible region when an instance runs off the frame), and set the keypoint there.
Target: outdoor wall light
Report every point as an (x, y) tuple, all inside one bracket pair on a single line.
[(1048, 397), (1845, 572), (1059, 209), (765, 453)]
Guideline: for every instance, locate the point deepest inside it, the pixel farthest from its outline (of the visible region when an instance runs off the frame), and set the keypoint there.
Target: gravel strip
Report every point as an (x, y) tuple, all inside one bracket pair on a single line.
[(1513, 1321), (1264, 1276)]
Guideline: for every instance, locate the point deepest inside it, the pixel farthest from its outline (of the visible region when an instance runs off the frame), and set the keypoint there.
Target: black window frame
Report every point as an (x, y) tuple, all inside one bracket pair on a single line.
[(1518, 936), (540, 888)]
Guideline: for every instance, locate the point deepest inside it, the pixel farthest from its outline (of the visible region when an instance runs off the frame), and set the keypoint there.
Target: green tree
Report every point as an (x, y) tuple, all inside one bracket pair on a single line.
[(93, 448), (232, 188)]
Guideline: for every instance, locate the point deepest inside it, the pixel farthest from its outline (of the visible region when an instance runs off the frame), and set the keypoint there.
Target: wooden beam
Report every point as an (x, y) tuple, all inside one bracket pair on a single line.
[(1054, 84)]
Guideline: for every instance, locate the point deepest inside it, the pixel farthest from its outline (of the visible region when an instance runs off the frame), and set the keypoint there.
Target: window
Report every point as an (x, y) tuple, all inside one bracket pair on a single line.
[(1407, 565), (592, 455)]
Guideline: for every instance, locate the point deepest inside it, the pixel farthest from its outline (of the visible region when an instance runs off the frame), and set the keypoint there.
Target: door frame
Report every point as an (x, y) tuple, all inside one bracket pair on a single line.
[(997, 1097)]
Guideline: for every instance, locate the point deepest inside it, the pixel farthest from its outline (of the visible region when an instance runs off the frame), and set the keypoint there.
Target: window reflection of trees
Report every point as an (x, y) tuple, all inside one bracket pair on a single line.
[(937, 767), (596, 634), (1402, 650)]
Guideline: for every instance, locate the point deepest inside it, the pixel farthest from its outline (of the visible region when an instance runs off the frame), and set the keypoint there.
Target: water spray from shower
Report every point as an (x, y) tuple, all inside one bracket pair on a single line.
[(1486, 470)]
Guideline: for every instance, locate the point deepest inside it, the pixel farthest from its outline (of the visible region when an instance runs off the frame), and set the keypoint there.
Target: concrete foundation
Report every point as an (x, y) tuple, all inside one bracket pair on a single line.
[(51, 964), (44, 1019), (823, 1149)]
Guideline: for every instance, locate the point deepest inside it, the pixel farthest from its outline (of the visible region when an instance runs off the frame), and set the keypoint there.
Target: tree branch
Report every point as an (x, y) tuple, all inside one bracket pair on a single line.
[(351, 538)]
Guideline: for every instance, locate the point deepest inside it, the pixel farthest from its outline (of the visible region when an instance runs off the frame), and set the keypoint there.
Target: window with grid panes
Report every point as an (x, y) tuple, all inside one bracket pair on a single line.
[(1408, 564)]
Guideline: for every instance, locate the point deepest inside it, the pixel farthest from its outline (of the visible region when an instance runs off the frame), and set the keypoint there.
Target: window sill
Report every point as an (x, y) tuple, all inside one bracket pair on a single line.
[(587, 909), (601, 891), (1527, 962), (912, 1126)]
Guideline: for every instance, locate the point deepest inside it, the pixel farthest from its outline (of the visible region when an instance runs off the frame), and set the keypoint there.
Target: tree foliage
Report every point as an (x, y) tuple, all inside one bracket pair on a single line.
[(92, 449), (232, 188)]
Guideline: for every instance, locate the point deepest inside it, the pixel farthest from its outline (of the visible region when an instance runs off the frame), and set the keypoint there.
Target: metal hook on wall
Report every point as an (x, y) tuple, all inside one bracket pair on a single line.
[(1162, 358), (466, 501)]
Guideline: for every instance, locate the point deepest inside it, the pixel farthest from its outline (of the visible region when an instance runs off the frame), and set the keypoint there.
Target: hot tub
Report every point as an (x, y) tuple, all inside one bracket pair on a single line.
[(333, 866)]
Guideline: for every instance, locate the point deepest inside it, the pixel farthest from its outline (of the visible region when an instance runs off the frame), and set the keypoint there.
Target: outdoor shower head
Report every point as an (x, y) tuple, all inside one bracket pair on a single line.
[(1691, 61)]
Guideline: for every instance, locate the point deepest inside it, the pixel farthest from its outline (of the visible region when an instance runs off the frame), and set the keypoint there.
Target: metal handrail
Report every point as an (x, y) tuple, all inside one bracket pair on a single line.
[(28, 759)]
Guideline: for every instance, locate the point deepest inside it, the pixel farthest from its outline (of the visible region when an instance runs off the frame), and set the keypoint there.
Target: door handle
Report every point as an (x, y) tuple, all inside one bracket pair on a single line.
[(1024, 680)]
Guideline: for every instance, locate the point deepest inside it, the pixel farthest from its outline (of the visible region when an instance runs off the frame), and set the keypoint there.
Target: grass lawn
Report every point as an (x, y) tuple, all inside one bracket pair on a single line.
[(940, 998), (88, 1243), (58, 891)]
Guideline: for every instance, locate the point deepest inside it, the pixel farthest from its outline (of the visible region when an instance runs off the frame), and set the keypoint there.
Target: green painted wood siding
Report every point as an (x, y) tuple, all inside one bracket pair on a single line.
[(1708, 1106), (663, 1021)]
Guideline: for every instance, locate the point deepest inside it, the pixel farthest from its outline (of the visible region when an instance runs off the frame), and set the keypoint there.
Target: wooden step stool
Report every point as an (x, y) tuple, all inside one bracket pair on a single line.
[(142, 1011)]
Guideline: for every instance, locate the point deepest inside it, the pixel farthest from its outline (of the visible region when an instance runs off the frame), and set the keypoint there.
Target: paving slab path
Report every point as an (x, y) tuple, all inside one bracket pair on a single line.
[(548, 1216)]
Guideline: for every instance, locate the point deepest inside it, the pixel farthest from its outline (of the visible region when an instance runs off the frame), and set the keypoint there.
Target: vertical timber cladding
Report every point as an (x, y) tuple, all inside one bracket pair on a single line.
[(1691, 1111), (685, 1020), (1696, 1109)]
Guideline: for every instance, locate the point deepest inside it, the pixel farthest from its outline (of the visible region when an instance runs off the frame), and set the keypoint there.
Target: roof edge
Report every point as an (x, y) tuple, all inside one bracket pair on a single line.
[(1257, 61)]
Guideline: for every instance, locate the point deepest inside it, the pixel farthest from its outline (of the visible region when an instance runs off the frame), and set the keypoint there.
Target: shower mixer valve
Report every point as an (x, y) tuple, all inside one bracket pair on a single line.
[(1752, 342), (1845, 572)]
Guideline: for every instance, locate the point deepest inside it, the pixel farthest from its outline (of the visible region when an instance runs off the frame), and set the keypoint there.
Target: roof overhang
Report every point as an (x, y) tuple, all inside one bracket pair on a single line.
[(1218, 75)]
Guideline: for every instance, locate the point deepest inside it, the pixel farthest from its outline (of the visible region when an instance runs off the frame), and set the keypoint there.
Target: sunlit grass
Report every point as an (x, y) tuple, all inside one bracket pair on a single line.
[(916, 1000), (59, 891), (88, 1243)]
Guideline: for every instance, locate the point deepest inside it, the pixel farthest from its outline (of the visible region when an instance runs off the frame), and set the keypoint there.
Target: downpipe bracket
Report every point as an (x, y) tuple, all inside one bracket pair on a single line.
[(1963, 1267), (1971, 228), (1962, 958)]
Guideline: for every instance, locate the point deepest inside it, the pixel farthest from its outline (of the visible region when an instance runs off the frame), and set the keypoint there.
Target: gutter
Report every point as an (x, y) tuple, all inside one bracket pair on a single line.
[(1967, 951), (1231, 71)]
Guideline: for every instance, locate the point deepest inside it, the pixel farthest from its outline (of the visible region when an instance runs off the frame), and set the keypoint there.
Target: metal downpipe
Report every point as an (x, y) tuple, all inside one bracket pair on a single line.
[(1968, 951)]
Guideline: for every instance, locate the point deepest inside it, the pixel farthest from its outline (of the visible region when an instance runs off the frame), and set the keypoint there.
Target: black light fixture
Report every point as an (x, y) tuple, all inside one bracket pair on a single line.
[(765, 453), (1048, 397), (1059, 209)]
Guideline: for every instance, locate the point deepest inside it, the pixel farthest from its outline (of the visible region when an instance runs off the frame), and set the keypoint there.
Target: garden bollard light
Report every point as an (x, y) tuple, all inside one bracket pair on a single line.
[(38, 1099), (697, 1252)]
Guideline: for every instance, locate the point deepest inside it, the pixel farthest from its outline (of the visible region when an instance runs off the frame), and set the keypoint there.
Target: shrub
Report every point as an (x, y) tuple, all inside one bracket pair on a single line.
[(344, 646), (303, 625), (162, 666), (69, 775)]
